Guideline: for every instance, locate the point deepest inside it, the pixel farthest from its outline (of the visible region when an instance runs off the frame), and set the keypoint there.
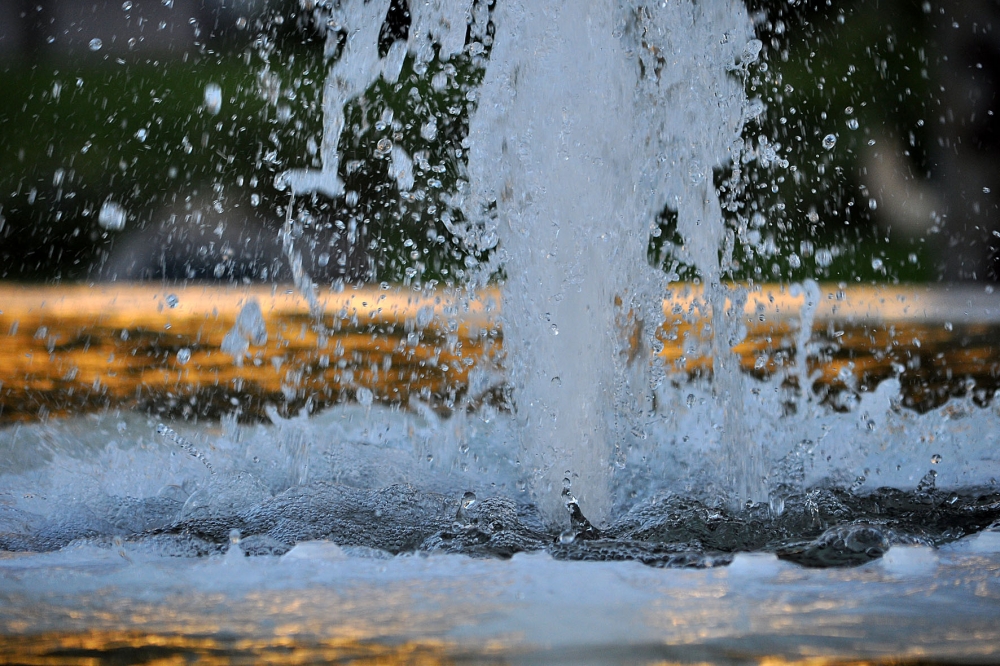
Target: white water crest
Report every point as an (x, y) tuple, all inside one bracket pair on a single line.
[(593, 118)]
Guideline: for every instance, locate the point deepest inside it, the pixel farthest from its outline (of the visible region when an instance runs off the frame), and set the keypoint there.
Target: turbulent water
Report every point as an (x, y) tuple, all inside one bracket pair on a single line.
[(384, 482), (592, 120)]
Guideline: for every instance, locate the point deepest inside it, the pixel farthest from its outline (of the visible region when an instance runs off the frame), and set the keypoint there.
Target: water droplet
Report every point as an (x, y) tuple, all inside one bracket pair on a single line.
[(112, 216), (383, 147), (852, 124), (555, 329), (172, 300), (254, 199), (141, 134), (234, 537), (323, 259), (928, 482), (751, 51), (365, 396), (755, 107), (936, 458), (183, 355), (829, 141), (824, 257), (877, 263), (986, 190), (429, 130), (127, 5), (213, 98), (96, 44), (567, 537)]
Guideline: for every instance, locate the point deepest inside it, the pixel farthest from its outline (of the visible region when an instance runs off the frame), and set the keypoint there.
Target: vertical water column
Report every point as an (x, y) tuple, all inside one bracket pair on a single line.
[(592, 118), (559, 92)]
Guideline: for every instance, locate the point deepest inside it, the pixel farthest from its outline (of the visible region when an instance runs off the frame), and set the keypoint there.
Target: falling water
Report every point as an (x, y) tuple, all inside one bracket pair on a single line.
[(593, 118), (593, 123)]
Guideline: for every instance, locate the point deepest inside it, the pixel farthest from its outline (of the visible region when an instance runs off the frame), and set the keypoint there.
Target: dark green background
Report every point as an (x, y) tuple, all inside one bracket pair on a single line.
[(818, 59)]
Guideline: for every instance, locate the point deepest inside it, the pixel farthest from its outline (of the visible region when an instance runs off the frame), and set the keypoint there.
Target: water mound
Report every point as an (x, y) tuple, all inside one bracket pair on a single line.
[(822, 527)]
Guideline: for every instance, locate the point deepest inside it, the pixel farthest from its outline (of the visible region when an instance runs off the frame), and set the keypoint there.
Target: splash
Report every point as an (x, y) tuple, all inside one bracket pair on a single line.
[(593, 119)]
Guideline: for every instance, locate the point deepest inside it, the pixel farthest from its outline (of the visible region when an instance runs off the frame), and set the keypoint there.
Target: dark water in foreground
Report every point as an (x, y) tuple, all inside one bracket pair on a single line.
[(823, 527)]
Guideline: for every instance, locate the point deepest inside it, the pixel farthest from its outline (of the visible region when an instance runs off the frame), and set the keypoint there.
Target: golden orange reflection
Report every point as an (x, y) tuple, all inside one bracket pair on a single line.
[(126, 646), (78, 348), (112, 646)]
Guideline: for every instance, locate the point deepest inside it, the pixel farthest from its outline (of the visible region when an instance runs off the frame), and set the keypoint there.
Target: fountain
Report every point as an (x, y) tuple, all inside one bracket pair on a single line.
[(608, 430), (555, 178)]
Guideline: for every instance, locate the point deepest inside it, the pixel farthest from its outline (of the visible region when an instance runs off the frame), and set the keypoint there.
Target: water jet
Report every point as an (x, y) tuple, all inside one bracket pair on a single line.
[(546, 447)]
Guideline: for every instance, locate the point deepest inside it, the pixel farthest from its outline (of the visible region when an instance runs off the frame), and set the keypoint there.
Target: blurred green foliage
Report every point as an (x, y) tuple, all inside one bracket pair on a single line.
[(137, 131), (859, 71)]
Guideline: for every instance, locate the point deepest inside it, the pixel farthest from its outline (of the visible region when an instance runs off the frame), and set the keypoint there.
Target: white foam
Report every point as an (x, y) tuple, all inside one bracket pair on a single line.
[(914, 561)]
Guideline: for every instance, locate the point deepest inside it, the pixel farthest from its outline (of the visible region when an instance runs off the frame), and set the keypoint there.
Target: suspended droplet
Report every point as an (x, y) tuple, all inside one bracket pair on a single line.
[(429, 129), (96, 44), (936, 458), (751, 51), (829, 141), (213, 98), (112, 216), (183, 355)]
